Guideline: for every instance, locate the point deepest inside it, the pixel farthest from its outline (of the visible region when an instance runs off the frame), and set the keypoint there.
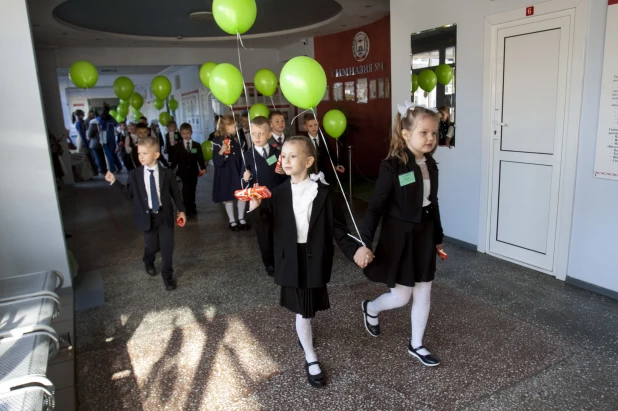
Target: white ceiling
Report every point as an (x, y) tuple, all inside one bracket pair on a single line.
[(48, 32)]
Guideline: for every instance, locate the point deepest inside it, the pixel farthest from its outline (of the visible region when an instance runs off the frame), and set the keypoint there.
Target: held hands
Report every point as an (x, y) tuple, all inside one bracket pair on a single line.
[(201, 173), (247, 175), (110, 177), (363, 257), (224, 148)]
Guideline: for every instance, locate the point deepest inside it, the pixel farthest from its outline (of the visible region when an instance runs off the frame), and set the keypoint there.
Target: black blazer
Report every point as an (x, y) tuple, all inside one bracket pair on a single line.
[(136, 190), (403, 203), (187, 164), (322, 161), (327, 221), (265, 173), (246, 139)]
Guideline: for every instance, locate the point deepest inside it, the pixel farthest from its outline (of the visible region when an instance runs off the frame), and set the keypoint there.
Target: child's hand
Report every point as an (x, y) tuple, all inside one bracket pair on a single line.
[(247, 175), (110, 177), (279, 170), (181, 218), (441, 252), (363, 257), (224, 148), (255, 202), (202, 172)]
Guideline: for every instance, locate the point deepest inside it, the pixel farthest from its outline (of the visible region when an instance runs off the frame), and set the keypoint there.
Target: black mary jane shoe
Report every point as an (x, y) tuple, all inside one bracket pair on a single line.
[(316, 381), (429, 360), (234, 227), (373, 330)]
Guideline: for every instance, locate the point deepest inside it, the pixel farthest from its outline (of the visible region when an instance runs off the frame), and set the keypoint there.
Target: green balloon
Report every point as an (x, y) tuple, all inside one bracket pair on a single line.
[(265, 82), (173, 104), (303, 82), (161, 87), (257, 110), (123, 87), (427, 80), (83, 74), (164, 118), (334, 122), (124, 102), (137, 115), (113, 113), (205, 72), (207, 150), (137, 101), (226, 83), (234, 16), (120, 118), (123, 110), (158, 104), (414, 82), (444, 73)]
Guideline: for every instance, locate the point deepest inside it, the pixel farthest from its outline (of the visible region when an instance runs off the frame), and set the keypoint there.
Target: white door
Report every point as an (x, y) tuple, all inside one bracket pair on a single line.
[(528, 129)]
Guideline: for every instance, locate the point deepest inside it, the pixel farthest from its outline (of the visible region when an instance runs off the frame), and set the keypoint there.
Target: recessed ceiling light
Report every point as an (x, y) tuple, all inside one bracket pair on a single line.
[(201, 16), (343, 25), (98, 39), (135, 42), (64, 34), (36, 25), (362, 17), (368, 6)]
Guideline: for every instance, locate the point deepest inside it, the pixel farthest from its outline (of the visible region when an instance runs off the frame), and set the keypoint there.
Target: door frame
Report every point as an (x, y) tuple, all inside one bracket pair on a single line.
[(578, 11)]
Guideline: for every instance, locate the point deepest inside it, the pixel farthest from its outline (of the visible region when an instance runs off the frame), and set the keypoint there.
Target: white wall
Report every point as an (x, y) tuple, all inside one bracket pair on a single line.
[(32, 237), (593, 256)]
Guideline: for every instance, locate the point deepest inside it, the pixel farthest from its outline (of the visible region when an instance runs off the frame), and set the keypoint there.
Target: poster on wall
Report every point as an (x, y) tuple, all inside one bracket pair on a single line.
[(373, 84), (606, 159), (338, 91), (381, 88), (349, 91), (361, 90), (327, 94)]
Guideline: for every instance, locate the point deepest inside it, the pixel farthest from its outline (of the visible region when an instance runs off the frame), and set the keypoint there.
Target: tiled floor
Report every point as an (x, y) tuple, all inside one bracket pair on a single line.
[(509, 338)]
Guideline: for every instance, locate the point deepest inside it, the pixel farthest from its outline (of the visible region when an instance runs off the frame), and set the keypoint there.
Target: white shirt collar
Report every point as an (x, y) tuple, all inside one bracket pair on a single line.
[(155, 168)]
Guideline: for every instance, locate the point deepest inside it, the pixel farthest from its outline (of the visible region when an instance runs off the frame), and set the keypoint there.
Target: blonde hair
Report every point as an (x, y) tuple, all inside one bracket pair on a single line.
[(222, 123), (150, 142), (309, 149), (407, 122)]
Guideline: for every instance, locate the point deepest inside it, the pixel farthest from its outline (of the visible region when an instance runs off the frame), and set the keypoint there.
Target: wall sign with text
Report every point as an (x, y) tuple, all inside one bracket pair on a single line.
[(360, 46), (606, 159)]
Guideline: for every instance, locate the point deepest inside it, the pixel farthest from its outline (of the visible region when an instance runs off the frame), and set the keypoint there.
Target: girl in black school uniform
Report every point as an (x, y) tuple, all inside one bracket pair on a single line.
[(304, 219), (406, 200), (228, 171)]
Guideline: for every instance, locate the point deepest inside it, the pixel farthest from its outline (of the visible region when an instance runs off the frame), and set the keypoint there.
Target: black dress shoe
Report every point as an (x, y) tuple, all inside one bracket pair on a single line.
[(270, 270), (245, 227), (150, 269), (234, 227), (429, 360), (170, 285), (373, 330), (316, 381)]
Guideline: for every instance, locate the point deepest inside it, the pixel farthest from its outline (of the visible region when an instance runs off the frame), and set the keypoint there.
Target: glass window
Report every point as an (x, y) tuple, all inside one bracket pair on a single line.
[(427, 59), (450, 55)]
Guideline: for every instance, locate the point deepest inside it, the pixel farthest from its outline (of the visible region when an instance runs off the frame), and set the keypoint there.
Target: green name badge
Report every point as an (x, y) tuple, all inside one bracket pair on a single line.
[(271, 160), (193, 150), (407, 178)]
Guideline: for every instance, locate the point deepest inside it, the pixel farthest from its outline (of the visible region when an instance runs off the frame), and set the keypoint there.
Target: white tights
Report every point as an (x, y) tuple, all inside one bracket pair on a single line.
[(305, 336), (400, 296), (229, 209)]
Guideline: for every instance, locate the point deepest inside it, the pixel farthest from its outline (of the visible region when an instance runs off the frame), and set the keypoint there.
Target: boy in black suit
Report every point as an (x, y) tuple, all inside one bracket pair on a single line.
[(311, 126), (277, 126), (245, 131), (152, 189), (262, 169), (188, 159)]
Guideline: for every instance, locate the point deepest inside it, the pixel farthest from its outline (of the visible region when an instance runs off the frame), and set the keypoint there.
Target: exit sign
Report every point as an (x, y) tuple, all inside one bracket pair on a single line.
[(529, 11)]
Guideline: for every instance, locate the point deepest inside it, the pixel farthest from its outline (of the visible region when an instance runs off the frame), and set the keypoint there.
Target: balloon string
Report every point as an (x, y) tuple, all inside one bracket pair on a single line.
[(340, 185), (300, 115), (238, 44), (273, 102), (241, 150)]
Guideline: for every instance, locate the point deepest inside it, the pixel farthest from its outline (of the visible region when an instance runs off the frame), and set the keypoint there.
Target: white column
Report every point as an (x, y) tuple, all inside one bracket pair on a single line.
[(31, 233)]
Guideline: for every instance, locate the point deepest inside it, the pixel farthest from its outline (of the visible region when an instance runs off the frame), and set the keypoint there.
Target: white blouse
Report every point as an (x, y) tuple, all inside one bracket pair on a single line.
[(303, 194), (426, 182)]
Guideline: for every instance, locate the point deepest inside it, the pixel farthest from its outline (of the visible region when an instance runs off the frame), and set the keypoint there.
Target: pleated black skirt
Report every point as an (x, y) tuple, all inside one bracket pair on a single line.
[(406, 252), (304, 301)]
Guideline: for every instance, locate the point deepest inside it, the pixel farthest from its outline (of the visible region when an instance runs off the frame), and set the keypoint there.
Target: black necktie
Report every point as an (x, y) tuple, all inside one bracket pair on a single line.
[(264, 152), (315, 142), (188, 146), (154, 198), (279, 139)]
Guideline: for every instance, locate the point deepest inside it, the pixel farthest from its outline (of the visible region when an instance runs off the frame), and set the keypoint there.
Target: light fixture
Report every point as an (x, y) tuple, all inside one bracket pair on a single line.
[(201, 16)]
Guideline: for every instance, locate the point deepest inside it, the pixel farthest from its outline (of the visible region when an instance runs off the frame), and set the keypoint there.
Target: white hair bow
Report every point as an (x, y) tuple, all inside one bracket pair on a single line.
[(319, 176), (407, 105)]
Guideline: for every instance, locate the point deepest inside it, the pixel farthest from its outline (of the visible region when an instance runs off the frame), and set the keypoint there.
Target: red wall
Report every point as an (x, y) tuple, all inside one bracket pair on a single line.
[(368, 124)]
